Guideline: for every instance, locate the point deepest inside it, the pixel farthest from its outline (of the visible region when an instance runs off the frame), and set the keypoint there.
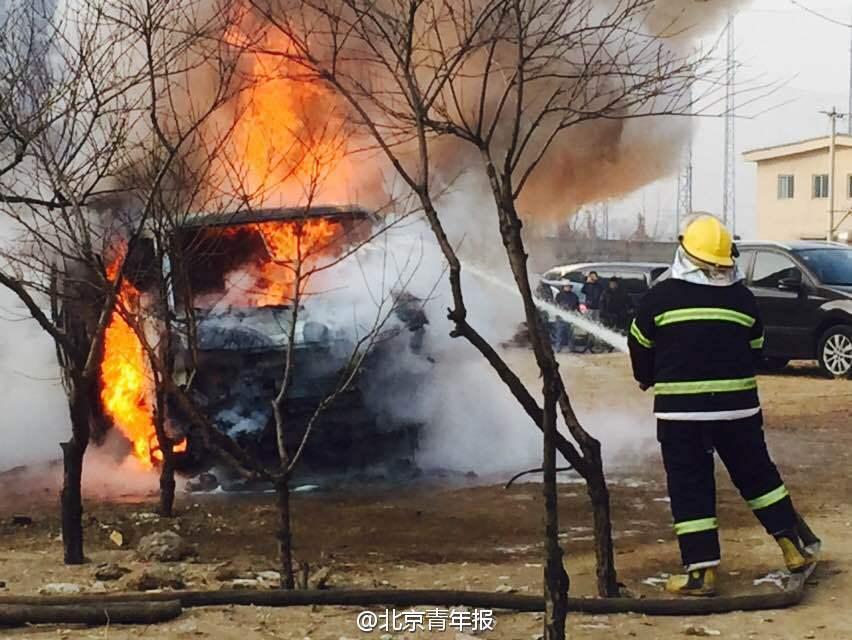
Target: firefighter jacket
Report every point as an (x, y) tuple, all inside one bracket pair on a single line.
[(697, 345)]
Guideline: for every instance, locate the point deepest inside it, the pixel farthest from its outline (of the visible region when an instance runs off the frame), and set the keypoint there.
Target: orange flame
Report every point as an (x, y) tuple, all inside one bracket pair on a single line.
[(290, 246), (285, 134), (127, 386)]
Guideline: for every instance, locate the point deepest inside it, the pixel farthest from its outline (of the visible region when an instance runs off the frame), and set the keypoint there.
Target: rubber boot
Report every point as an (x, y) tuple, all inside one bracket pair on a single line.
[(809, 539), (698, 582), (796, 557)]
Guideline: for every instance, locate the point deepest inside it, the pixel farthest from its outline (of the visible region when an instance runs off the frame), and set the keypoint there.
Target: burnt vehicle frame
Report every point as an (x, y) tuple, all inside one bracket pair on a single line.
[(231, 361)]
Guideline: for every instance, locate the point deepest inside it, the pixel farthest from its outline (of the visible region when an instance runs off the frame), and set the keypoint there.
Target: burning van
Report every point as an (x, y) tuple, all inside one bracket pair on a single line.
[(232, 290)]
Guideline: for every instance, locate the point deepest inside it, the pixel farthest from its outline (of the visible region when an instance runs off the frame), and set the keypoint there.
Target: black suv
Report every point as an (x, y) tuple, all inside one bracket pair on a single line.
[(804, 290)]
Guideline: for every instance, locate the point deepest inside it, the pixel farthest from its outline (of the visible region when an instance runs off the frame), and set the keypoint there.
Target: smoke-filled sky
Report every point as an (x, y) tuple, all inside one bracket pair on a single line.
[(776, 41)]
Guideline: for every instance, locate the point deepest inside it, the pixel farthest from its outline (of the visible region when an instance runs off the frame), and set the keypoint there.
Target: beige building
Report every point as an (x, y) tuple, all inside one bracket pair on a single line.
[(793, 188)]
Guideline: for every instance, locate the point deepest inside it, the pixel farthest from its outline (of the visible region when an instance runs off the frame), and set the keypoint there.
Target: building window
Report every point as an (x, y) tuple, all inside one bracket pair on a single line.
[(849, 186), (820, 185), (785, 187)]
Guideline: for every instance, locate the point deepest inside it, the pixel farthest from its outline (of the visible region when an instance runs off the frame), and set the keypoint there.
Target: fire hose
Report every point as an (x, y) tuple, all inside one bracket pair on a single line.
[(162, 606), (155, 607)]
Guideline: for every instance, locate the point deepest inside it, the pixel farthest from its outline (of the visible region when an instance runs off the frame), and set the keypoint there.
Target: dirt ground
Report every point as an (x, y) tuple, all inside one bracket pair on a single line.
[(471, 533)]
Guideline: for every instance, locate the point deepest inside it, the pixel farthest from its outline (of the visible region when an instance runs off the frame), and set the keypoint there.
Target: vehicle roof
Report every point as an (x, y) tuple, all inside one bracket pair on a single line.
[(582, 266), (794, 245), (248, 216)]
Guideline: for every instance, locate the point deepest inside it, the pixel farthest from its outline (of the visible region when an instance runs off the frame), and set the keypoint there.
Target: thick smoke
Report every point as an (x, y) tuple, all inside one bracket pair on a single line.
[(32, 402), (472, 422), (598, 159)]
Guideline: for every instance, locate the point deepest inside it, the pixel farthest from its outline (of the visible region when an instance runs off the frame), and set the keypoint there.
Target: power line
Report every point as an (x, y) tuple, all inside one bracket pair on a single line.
[(818, 14)]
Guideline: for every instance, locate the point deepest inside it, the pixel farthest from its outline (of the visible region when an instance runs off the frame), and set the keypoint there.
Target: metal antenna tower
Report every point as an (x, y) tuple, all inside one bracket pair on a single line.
[(849, 111), (729, 181), (684, 185)]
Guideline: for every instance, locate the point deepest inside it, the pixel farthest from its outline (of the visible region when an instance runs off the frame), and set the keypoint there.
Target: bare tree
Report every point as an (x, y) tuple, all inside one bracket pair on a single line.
[(64, 121), (301, 251), (81, 92), (176, 173), (502, 81)]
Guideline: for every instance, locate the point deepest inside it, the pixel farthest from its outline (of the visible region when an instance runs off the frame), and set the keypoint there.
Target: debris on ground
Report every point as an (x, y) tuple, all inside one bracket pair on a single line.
[(232, 570), (269, 578), (701, 631), (656, 581), (320, 579), (202, 483), (777, 578), (144, 516), (60, 588), (165, 546), (21, 521), (117, 538), (245, 583), (155, 578), (108, 572)]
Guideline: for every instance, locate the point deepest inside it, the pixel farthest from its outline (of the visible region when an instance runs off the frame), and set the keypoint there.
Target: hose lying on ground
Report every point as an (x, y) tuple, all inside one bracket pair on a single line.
[(791, 596), (530, 471), (89, 612)]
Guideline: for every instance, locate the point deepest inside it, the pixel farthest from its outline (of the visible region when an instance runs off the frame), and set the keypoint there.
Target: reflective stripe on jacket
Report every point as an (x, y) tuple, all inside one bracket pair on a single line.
[(697, 345)]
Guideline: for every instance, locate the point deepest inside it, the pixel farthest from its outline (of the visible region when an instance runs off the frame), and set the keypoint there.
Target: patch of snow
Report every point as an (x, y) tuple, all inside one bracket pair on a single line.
[(776, 578)]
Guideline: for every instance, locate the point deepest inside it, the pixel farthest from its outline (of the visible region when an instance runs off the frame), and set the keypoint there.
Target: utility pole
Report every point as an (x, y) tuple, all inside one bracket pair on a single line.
[(849, 106), (729, 180), (834, 116)]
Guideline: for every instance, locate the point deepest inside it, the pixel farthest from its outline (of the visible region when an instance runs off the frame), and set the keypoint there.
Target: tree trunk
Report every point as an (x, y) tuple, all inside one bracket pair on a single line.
[(167, 471), (593, 473), (599, 495), (285, 536), (71, 497), (71, 502), (556, 580), (167, 485)]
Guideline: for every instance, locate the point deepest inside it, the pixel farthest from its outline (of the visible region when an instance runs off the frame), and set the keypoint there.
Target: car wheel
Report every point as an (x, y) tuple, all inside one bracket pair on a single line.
[(835, 351), (773, 364)]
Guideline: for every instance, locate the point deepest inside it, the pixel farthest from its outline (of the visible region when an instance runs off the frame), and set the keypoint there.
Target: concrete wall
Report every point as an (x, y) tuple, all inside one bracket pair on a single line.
[(549, 252), (801, 216)]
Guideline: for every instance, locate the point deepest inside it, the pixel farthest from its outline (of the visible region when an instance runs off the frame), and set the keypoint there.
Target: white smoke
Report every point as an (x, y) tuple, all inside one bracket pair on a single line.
[(472, 421), (32, 401)]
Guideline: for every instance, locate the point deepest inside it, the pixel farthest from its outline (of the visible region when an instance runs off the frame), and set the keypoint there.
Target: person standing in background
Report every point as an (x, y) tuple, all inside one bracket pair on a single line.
[(593, 290), (615, 306), (569, 301)]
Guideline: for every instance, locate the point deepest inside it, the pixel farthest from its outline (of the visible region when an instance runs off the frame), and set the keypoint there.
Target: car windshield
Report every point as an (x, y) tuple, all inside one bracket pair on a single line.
[(832, 266)]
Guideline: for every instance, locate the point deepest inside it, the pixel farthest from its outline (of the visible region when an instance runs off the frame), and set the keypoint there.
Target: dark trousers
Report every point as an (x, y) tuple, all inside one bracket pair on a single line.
[(688, 448), (563, 334)]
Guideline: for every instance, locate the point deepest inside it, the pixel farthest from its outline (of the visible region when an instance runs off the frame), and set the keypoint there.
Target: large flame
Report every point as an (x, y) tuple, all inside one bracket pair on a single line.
[(291, 146), (293, 252), (127, 386)]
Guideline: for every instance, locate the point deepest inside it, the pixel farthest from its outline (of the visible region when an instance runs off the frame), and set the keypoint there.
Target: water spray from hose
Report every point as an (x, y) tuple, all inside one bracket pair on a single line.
[(609, 336)]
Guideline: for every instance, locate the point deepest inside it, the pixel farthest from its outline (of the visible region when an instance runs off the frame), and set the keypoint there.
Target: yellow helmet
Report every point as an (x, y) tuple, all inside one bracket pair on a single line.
[(706, 239)]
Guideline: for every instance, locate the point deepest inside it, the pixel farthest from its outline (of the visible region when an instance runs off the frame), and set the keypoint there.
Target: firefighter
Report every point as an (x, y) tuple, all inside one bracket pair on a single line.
[(695, 340)]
